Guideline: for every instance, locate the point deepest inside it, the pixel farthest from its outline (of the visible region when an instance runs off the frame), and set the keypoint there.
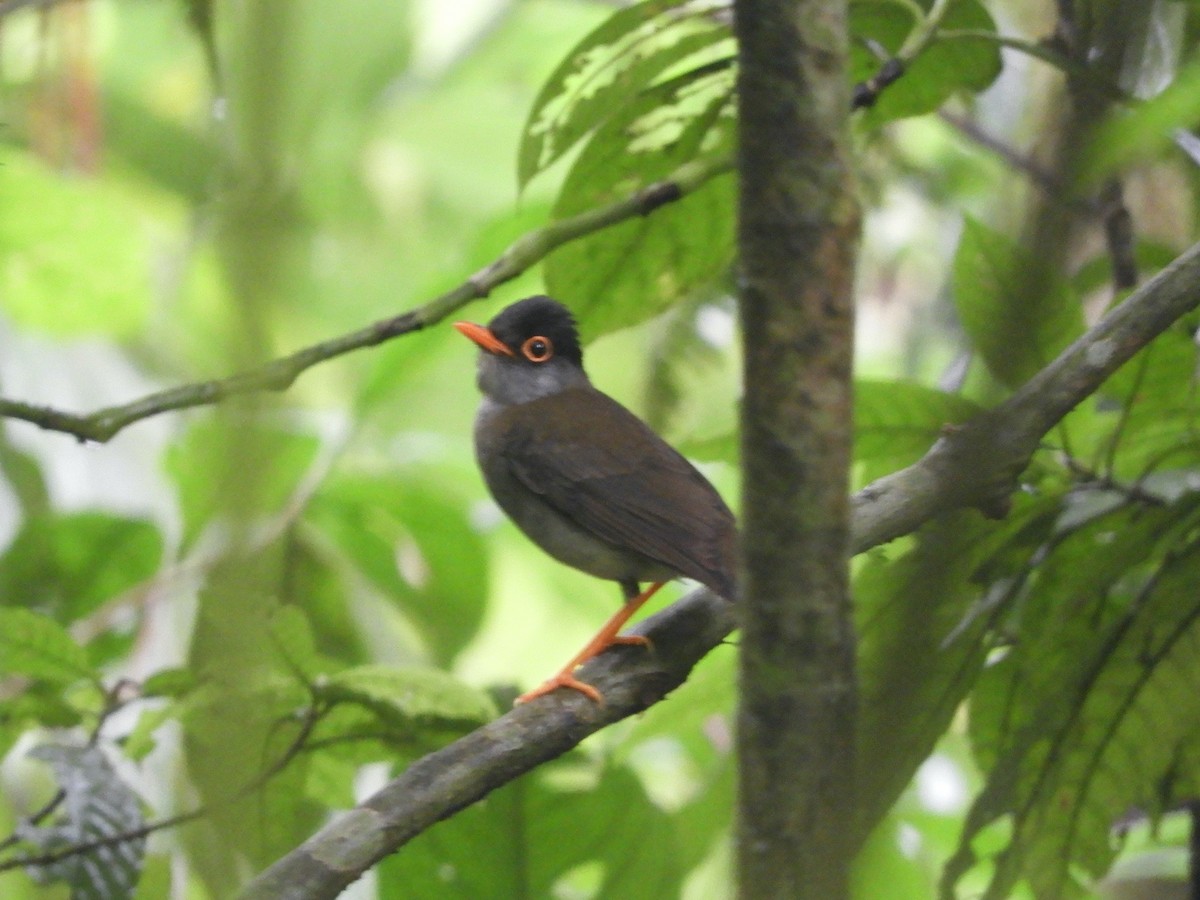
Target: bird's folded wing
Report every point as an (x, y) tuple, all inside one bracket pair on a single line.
[(611, 475)]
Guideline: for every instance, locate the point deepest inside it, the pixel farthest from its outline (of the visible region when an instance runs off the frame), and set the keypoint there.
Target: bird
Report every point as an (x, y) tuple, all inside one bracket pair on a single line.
[(587, 480)]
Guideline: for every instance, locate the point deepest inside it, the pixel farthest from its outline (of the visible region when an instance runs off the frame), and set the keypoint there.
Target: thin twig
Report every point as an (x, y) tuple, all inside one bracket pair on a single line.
[(1042, 177), (866, 93), (279, 374), (114, 700)]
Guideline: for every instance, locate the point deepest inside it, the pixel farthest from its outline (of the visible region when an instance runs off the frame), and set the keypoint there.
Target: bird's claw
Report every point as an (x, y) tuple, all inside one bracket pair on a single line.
[(562, 679)]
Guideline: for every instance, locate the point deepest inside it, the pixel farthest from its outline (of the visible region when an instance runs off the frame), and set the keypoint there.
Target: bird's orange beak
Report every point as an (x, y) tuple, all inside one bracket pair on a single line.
[(484, 338)]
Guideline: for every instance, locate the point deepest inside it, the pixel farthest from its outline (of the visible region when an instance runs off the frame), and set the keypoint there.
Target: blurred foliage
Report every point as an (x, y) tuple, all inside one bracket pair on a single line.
[(264, 608)]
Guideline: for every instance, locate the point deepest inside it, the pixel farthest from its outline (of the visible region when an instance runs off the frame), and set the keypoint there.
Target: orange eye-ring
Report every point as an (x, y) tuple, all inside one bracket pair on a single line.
[(538, 349)]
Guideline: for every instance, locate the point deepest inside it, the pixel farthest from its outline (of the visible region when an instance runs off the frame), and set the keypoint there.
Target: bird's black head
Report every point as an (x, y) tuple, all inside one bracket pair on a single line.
[(530, 349), (538, 329)]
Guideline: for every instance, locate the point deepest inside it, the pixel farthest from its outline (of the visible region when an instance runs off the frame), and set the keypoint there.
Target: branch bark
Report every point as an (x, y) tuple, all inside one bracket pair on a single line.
[(798, 239), (970, 466)]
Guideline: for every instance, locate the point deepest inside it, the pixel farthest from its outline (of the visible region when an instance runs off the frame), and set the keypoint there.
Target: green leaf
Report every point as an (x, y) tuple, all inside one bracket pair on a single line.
[(608, 69), (410, 699), (96, 805), (68, 565), (140, 741), (1017, 314), (292, 636), (1145, 130), (1153, 424), (943, 69), (896, 422), (173, 683), (532, 837), (632, 271), (919, 650), (1087, 715), (38, 703), (318, 588), (37, 646)]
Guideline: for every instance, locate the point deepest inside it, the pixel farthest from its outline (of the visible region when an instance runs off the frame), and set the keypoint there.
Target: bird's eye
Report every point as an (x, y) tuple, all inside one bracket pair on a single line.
[(538, 349)]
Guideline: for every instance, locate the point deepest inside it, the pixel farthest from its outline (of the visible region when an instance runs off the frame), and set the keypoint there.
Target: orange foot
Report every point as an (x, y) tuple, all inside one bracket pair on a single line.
[(605, 638), (566, 679), (562, 679)]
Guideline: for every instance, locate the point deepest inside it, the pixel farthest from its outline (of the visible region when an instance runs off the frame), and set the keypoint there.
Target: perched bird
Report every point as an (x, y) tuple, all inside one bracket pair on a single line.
[(584, 478)]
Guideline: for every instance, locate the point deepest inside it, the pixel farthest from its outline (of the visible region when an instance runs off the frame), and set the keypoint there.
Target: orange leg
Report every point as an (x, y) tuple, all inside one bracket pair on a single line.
[(605, 638)]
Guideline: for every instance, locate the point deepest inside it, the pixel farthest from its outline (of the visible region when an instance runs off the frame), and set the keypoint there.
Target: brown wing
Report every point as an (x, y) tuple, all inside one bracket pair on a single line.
[(601, 466)]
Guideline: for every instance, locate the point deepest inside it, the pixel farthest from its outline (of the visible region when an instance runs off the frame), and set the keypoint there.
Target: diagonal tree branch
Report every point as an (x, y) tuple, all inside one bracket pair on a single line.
[(279, 374), (973, 465)]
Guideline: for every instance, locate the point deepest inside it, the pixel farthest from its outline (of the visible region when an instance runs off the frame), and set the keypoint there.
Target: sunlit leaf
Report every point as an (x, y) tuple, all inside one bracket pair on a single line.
[(607, 70), (633, 271)]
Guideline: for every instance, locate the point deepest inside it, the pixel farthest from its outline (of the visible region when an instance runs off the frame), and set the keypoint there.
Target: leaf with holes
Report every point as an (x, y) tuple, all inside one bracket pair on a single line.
[(611, 66), (1075, 749), (628, 273), (97, 806)]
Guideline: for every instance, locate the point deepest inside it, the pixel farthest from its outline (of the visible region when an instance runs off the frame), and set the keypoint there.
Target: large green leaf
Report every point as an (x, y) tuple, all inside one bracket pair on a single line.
[(1016, 312), (1087, 714), (632, 271), (610, 67), (407, 708), (1153, 425), (529, 838), (69, 565), (922, 643)]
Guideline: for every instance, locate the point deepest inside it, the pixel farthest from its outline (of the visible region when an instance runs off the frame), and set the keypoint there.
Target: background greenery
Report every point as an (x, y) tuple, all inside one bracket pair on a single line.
[(260, 609)]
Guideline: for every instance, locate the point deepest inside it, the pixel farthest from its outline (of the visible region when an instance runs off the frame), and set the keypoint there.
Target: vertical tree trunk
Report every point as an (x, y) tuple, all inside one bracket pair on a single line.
[(798, 233)]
